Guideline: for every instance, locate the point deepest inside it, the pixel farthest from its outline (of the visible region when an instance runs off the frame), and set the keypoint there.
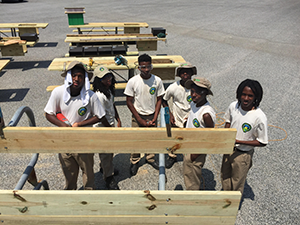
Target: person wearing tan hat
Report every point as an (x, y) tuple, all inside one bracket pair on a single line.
[(180, 98), (81, 107), (104, 87), (144, 94), (201, 115)]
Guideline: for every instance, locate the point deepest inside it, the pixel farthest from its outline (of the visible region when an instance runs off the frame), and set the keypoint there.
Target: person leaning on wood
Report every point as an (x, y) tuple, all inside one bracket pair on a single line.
[(180, 98), (143, 97), (201, 115), (81, 107), (251, 124)]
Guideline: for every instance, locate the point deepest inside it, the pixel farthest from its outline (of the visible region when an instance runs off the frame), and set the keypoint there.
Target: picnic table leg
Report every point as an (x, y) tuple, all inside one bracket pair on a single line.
[(79, 31)]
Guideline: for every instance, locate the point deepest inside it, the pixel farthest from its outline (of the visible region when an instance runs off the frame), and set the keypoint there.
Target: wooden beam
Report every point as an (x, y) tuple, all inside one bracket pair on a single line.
[(119, 207), (97, 30), (24, 25), (3, 63), (116, 140), (124, 24)]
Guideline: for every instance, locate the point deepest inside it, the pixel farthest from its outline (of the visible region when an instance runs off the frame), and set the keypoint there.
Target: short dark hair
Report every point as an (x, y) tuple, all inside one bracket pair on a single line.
[(144, 58), (256, 89)]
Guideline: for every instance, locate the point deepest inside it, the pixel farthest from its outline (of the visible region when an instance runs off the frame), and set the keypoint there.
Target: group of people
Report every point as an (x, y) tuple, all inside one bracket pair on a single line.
[(145, 95)]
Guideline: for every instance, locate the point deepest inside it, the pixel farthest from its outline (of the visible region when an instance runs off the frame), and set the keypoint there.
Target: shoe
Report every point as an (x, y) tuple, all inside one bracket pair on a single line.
[(170, 162), (133, 169), (116, 172), (154, 164), (111, 183)]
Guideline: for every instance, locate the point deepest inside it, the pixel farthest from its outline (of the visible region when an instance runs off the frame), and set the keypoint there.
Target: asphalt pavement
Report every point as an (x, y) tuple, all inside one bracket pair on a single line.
[(228, 41)]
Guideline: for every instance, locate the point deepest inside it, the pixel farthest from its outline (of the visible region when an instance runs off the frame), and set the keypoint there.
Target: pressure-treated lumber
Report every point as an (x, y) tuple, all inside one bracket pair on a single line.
[(98, 30), (117, 86), (118, 207), (23, 25), (116, 140), (159, 62), (111, 24), (3, 63)]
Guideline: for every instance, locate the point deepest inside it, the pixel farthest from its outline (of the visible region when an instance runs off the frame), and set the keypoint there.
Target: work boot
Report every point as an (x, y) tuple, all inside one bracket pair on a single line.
[(154, 164), (170, 162), (133, 169), (111, 183)]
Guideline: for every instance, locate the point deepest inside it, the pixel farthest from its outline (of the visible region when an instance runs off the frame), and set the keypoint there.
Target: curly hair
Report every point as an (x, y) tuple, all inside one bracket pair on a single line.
[(256, 89)]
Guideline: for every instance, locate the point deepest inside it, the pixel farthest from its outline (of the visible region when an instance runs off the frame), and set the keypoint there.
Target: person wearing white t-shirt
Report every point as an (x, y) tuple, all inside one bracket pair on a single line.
[(144, 97), (201, 115), (81, 107), (104, 87), (251, 124), (180, 98)]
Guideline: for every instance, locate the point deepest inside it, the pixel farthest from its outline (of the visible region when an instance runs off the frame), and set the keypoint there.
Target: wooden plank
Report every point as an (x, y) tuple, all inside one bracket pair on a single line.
[(165, 61), (14, 50), (23, 25), (111, 24), (146, 45), (3, 63), (111, 38), (160, 206), (116, 140), (117, 86)]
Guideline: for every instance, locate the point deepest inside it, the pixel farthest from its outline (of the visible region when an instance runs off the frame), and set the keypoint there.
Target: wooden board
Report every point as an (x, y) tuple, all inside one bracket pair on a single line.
[(118, 207), (124, 24), (159, 62), (3, 63), (98, 30), (117, 86), (23, 25), (116, 140), (14, 49)]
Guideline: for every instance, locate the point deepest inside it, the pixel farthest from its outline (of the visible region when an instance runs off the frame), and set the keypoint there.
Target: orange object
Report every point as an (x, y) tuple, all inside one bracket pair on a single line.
[(62, 118)]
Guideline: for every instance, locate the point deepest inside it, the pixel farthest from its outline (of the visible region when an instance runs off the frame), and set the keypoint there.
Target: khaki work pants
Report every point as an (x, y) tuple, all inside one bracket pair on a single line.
[(234, 170), (192, 171), (70, 163)]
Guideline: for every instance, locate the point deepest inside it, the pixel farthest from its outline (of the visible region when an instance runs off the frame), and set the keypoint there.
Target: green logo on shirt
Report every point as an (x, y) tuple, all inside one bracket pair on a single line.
[(196, 123), (152, 90), (246, 127), (189, 98), (82, 111)]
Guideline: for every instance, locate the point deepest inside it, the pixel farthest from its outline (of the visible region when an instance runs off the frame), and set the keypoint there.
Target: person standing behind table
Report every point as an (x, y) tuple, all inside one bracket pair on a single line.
[(201, 115), (104, 87), (251, 124), (143, 97), (181, 99), (81, 107)]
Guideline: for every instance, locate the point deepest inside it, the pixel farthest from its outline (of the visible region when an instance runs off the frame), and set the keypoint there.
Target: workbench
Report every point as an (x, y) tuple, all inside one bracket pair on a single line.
[(129, 27), (22, 28), (163, 65)]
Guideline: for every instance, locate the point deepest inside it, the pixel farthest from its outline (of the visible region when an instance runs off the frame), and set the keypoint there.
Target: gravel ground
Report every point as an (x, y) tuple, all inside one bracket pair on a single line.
[(228, 41)]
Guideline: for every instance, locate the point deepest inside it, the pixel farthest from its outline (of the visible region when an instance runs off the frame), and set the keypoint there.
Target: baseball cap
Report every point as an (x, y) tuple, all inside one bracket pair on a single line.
[(77, 63), (186, 65), (200, 82), (101, 71)]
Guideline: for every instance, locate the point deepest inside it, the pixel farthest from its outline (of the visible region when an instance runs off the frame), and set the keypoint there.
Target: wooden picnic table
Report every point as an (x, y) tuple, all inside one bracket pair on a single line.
[(129, 27), (23, 27), (163, 65)]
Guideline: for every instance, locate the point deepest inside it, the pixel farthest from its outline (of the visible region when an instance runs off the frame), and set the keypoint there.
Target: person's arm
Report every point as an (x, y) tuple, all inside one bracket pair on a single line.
[(209, 123), (129, 102), (165, 104), (157, 110), (87, 122), (117, 116), (53, 119)]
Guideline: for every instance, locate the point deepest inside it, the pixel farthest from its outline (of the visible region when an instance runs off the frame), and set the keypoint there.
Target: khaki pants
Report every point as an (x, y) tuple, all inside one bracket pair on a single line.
[(192, 171), (106, 163), (70, 163), (234, 170), (136, 157)]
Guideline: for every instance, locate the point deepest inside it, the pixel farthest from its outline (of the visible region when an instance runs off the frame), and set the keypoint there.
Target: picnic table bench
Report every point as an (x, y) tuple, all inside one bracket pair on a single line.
[(163, 65), (121, 206)]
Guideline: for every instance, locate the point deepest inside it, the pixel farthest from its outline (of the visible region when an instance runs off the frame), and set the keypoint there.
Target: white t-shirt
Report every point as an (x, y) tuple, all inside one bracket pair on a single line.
[(108, 105), (251, 125), (74, 110), (181, 101), (195, 119), (145, 93)]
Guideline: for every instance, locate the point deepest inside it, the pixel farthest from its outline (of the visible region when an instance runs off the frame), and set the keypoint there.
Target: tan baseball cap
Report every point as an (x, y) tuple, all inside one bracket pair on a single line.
[(200, 82), (77, 63), (101, 71), (186, 65)]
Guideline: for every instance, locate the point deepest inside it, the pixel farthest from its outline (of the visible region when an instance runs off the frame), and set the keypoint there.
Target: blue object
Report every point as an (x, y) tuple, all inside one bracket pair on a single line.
[(167, 115)]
